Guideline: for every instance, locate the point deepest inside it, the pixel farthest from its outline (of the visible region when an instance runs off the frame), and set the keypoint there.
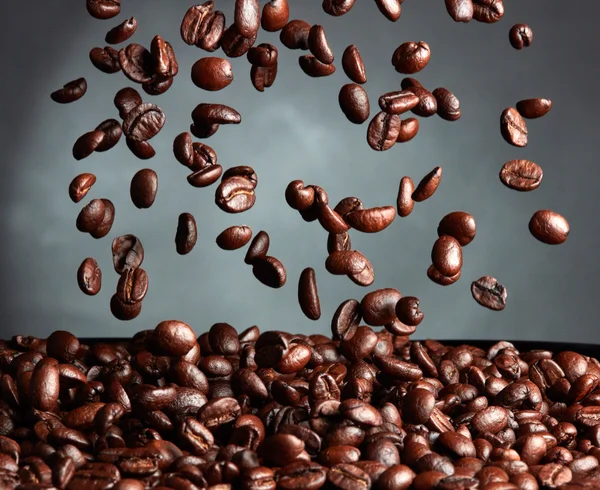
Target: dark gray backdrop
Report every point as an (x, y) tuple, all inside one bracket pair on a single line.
[(295, 130)]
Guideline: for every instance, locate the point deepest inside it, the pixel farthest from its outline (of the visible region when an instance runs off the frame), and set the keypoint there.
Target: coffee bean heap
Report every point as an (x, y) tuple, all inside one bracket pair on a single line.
[(360, 410)]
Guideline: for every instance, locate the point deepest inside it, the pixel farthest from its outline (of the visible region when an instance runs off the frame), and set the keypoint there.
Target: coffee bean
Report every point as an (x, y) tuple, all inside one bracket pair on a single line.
[(174, 338), (446, 255), (488, 292), (194, 21), (383, 131), (488, 11), (80, 186), (411, 57), (121, 33), (459, 225), (460, 10), (513, 127), (234, 43), (212, 73), (409, 82), (269, 271), (262, 78), (348, 477), (70, 92), (294, 35), (314, 68), (211, 31), (417, 406), (186, 235), (87, 143), (143, 189), (247, 17), (90, 216), (347, 205), (428, 185), (427, 105), (103, 9), (164, 60), (112, 134), (125, 100), (407, 311), (520, 36), (141, 149), (137, 63), (353, 65), (89, 277), (318, 45), (397, 476), (521, 175), (124, 312), (144, 122), (337, 8), (391, 9), (205, 177), (448, 106), (549, 227), (258, 248), (398, 102), (298, 196), (404, 202), (105, 59), (378, 307), (308, 296), (534, 108), (264, 55), (372, 220), (437, 277), (234, 237), (203, 130), (354, 102), (408, 130), (132, 286), (127, 253), (235, 195), (215, 114), (331, 221), (345, 262), (105, 225), (183, 149), (338, 242)]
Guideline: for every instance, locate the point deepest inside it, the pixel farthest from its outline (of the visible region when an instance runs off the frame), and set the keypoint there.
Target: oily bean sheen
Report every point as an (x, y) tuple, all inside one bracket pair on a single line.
[(460, 10), (269, 271), (235, 194), (534, 108), (407, 311), (234, 44), (80, 186), (70, 92), (112, 134), (521, 175), (106, 223), (295, 35), (513, 127), (132, 286), (275, 15), (127, 253), (212, 73), (448, 106), (89, 277), (137, 63), (247, 17), (428, 185), (215, 114), (105, 59), (263, 77), (308, 296), (263, 55), (488, 292), (378, 307), (125, 100), (404, 202), (143, 122), (549, 227), (144, 186), (103, 9), (459, 225), (337, 8), (391, 9), (520, 36), (121, 33), (314, 68), (318, 45), (353, 65), (234, 237), (195, 21), (408, 130), (87, 144), (90, 216), (427, 105), (488, 11), (258, 248), (398, 102), (446, 255), (372, 220), (383, 131), (411, 57), (354, 102), (141, 149), (186, 235)]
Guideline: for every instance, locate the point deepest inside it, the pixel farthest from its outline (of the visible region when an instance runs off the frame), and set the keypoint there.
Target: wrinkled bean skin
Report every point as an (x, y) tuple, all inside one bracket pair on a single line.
[(549, 227)]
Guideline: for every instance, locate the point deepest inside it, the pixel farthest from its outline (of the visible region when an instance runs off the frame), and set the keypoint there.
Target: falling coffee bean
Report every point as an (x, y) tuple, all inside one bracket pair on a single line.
[(269, 271), (436, 276), (459, 225), (354, 102), (144, 122), (235, 195), (165, 63), (391, 9), (234, 44), (127, 99), (383, 131), (105, 59), (87, 144), (127, 253), (448, 106), (318, 45), (372, 220), (460, 10), (105, 225), (314, 68), (215, 114), (353, 65), (308, 296), (411, 57), (103, 9), (407, 311), (132, 286), (141, 149), (488, 292), (70, 92), (446, 255), (137, 63), (234, 237), (521, 175), (247, 17), (263, 77), (186, 235), (404, 202), (488, 11), (275, 15), (428, 185), (112, 134), (408, 130), (513, 127), (121, 33), (294, 35), (258, 248), (520, 36), (212, 73), (89, 277), (194, 22), (122, 311), (90, 216), (80, 186), (549, 227), (398, 102), (263, 55), (534, 108), (158, 85), (143, 189), (337, 8), (206, 176)]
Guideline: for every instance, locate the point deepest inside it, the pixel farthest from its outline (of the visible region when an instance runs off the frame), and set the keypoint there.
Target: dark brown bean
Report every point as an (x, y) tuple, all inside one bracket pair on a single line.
[(103, 9), (428, 185), (336, 8), (105, 59), (294, 35), (137, 63), (488, 11), (448, 106), (459, 225), (513, 127), (80, 186), (408, 130), (87, 143), (534, 108), (234, 237), (446, 255), (269, 271), (121, 33), (411, 57), (318, 45), (70, 92), (143, 122), (275, 15), (354, 102), (90, 216), (186, 235), (549, 227), (314, 68), (521, 175), (460, 10), (383, 131), (353, 65), (308, 296), (89, 277), (125, 100), (212, 73), (391, 9), (404, 202), (520, 36), (488, 292), (143, 189)]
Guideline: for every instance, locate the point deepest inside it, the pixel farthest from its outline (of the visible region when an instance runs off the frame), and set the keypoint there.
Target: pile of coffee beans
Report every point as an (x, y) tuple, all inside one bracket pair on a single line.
[(358, 410)]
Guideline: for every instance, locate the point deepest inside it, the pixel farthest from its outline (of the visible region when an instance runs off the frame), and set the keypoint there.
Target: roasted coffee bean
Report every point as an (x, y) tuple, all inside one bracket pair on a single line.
[(247, 17), (70, 92), (398, 102), (534, 108), (234, 43), (89, 277), (308, 296), (459, 225), (124, 312), (215, 114), (318, 45), (186, 235), (348, 477), (338, 242), (127, 253), (164, 60), (194, 21), (90, 216), (235, 195), (336, 8), (448, 106), (409, 82), (87, 144), (137, 63), (488, 11), (80, 186), (212, 73), (411, 57), (211, 31), (378, 307), (183, 149), (446, 255), (105, 59), (206, 176), (294, 35), (234, 237), (203, 130), (269, 271), (258, 248), (141, 149), (404, 202), (244, 171), (143, 189), (127, 99), (121, 33), (132, 286), (428, 185), (353, 65), (513, 127), (174, 338), (103, 9), (520, 36), (408, 130), (460, 10), (347, 205), (263, 55), (521, 175), (314, 68), (407, 311), (372, 220), (143, 122), (383, 131), (298, 196), (105, 225), (354, 102), (488, 292), (549, 227), (427, 105), (275, 15), (262, 78), (112, 134), (391, 9)]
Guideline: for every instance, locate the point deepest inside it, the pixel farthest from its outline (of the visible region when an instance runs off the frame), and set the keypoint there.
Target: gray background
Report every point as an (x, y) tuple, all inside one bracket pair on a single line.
[(295, 130)]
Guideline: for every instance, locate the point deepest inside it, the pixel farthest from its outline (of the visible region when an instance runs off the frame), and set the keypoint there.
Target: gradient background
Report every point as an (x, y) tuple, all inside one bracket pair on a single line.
[(295, 130)]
